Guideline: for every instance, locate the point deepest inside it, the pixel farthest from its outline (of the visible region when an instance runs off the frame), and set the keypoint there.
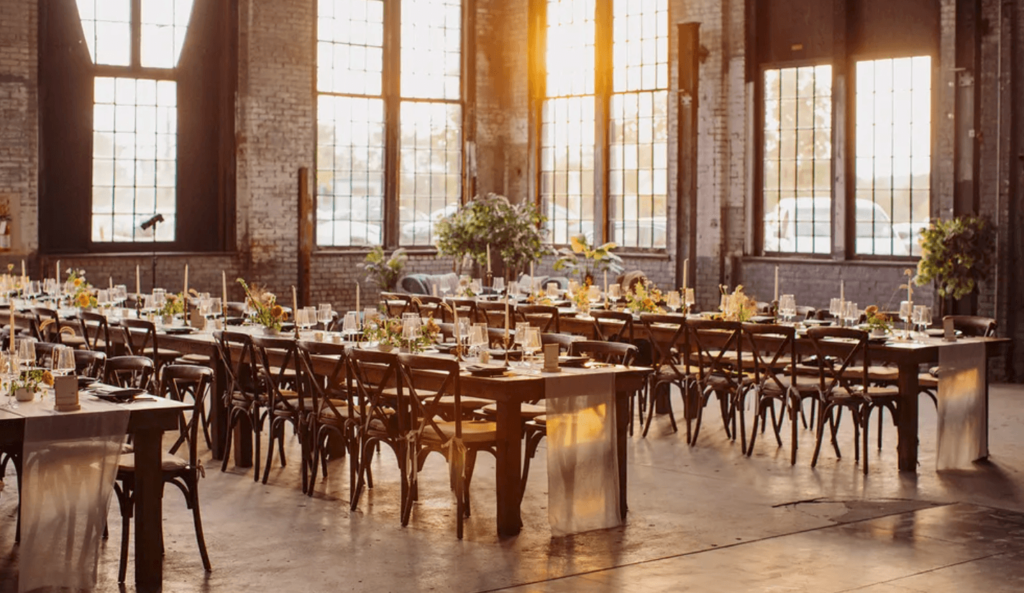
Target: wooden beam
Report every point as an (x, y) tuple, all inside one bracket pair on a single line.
[(305, 236)]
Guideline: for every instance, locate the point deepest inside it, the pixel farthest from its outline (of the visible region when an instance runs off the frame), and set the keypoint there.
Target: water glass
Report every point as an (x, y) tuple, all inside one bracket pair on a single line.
[(614, 291), (369, 315), (552, 289), (851, 314), (324, 315), (691, 298), (350, 325), (905, 311), (26, 353), (531, 344), (63, 362), (477, 339), (672, 299), (498, 284)]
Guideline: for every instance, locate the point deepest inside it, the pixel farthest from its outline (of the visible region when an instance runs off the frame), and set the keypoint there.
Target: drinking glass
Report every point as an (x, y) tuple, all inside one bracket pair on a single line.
[(324, 314), (369, 315), (905, 311), (552, 289), (27, 353), (851, 314), (120, 294), (926, 318), (464, 326), (671, 299), (477, 339), (614, 291), (594, 294), (690, 299), (63, 361), (103, 298), (520, 332), (476, 286), (309, 316), (445, 287), (531, 345), (498, 284), (513, 287), (8, 371), (350, 325), (410, 326)]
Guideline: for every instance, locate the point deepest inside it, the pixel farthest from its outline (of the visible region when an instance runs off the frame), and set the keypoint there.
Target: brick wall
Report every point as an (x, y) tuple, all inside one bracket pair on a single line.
[(19, 144)]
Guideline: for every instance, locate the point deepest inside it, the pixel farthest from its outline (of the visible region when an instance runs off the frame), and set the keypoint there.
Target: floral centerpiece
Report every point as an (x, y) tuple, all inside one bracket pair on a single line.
[(581, 298), (878, 322), (82, 295), (582, 260), (267, 312), (539, 297), (737, 306), (465, 288), (644, 298), (28, 384), (388, 333)]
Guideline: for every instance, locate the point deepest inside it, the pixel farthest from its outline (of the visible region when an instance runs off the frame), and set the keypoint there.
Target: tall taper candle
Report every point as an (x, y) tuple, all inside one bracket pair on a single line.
[(184, 290), (138, 285), (110, 280), (60, 284), (488, 257), (357, 299), (842, 291), (532, 281), (295, 310), (22, 269), (506, 319), (686, 273), (224, 290), (776, 283), (58, 272)]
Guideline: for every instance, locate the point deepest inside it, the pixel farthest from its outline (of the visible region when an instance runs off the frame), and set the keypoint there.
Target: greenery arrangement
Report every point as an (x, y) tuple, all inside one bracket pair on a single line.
[(174, 304), (382, 270), (877, 320), (584, 261), (83, 296), (644, 298), (30, 380), (956, 254), (737, 306), (387, 332), (514, 232), (267, 312)]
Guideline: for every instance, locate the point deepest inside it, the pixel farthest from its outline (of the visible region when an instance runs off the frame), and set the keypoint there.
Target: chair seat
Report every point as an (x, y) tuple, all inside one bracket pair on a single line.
[(72, 341), (872, 392), (162, 354), (876, 373), (927, 381), (472, 403), (528, 411), (472, 432), (199, 359), (803, 384), (327, 413), (168, 463)]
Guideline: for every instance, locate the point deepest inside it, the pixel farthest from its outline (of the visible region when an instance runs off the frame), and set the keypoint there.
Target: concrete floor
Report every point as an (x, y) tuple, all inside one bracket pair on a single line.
[(701, 519)]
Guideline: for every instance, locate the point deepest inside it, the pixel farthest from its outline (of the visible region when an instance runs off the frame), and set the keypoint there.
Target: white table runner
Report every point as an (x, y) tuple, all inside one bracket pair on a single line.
[(962, 411)]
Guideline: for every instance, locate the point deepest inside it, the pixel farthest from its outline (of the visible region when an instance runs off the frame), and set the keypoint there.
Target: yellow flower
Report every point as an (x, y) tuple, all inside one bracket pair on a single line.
[(48, 378), (870, 310), (83, 299), (78, 282), (277, 312), (579, 243)]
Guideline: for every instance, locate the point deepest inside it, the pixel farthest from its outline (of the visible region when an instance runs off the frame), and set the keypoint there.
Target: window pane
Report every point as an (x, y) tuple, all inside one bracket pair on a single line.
[(431, 48), (350, 171), (639, 47), (570, 47), (893, 161), (134, 159), (164, 23), (431, 155), (638, 188), (106, 25), (350, 44), (567, 166), (797, 159)]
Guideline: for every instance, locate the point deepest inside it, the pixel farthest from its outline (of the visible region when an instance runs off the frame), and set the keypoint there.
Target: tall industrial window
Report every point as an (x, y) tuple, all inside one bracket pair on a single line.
[(134, 115), (354, 103), (797, 160), (572, 135), (893, 154)]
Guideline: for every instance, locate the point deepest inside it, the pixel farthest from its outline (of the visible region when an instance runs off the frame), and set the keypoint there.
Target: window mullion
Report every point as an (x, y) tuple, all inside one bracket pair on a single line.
[(392, 91), (603, 64), (136, 61)]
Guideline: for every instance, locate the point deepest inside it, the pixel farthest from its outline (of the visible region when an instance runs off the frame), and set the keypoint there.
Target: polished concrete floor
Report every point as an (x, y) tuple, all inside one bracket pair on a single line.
[(701, 519)]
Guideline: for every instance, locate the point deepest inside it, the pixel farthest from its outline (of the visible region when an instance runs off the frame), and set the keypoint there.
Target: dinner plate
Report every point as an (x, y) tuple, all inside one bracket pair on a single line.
[(573, 361), (119, 395), (178, 331), (938, 332), (84, 382), (485, 371)]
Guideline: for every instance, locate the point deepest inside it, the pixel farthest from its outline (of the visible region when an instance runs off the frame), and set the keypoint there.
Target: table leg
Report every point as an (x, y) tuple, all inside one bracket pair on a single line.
[(148, 511), (243, 442), (621, 438), (909, 391), (218, 411), (508, 468)]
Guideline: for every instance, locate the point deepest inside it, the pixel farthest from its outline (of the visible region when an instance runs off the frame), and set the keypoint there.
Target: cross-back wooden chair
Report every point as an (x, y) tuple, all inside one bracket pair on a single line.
[(619, 328), (144, 341), (371, 377), (178, 382), (772, 350), (95, 331), (458, 439), (51, 328), (670, 361), (465, 307), (90, 363), (277, 368), (396, 303), (839, 390), (130, 372), (493, 313), (545, 317), (717, 354), (243, 395), (333, 410)]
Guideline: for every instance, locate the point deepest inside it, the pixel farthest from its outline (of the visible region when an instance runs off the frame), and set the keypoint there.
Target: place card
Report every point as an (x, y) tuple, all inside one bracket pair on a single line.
[(948, 330), (197, 320), (551, 358), (65, 391)]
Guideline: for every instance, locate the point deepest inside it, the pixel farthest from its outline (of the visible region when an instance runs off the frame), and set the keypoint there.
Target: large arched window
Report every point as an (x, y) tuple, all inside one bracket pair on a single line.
[(134, 46)]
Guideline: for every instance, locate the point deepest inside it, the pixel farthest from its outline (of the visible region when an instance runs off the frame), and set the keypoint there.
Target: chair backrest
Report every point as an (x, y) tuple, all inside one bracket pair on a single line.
[(367, 389), (129, 371), (277, 365), (772, 350), (621, 330), (178, 382), (849, 348), (493, 313), (325, 390), (44, 353), (564, 341), (543, 316), (95, 329), (718, 348), (674, 352), (974, 326), (423, 401), (465, 307), (141, 335), (90, 363), (607, 352), (236, 353), (396, 303), (48, 332), (805, 312), (429, 306)]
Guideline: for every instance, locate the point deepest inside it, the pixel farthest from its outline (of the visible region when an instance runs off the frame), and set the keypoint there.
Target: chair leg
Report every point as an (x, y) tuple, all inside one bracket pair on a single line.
[(881, 413), (198, 521), (821, 419), (795, 410), (866, 421), (470, 464), (232, 420)]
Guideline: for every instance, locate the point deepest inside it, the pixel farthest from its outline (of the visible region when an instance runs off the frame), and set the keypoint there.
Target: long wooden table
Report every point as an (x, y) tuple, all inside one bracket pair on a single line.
[(147, 422)]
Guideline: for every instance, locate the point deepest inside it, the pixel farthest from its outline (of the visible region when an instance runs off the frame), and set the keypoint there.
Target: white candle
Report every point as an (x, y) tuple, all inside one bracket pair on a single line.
[(357, 296), (295, 310), (842, 291), (776, 284), (224, 289), (488, 258), (60, 285), (506, 319), (110, 280), (23, 269), (58, 272), (138, 285), (686, 273), (184, 291)]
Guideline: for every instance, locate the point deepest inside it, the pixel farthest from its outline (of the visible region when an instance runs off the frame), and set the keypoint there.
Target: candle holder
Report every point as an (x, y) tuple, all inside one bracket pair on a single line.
[(505, 342)]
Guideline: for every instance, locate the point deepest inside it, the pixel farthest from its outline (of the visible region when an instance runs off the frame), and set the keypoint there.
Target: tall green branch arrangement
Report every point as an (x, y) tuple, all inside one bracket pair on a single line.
[(956, 254), (382, 270), (514, 232), (583, 260)]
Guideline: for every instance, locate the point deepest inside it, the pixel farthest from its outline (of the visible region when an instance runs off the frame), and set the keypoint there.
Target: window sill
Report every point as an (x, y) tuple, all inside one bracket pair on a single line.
[(418, 251), (803, 259)]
